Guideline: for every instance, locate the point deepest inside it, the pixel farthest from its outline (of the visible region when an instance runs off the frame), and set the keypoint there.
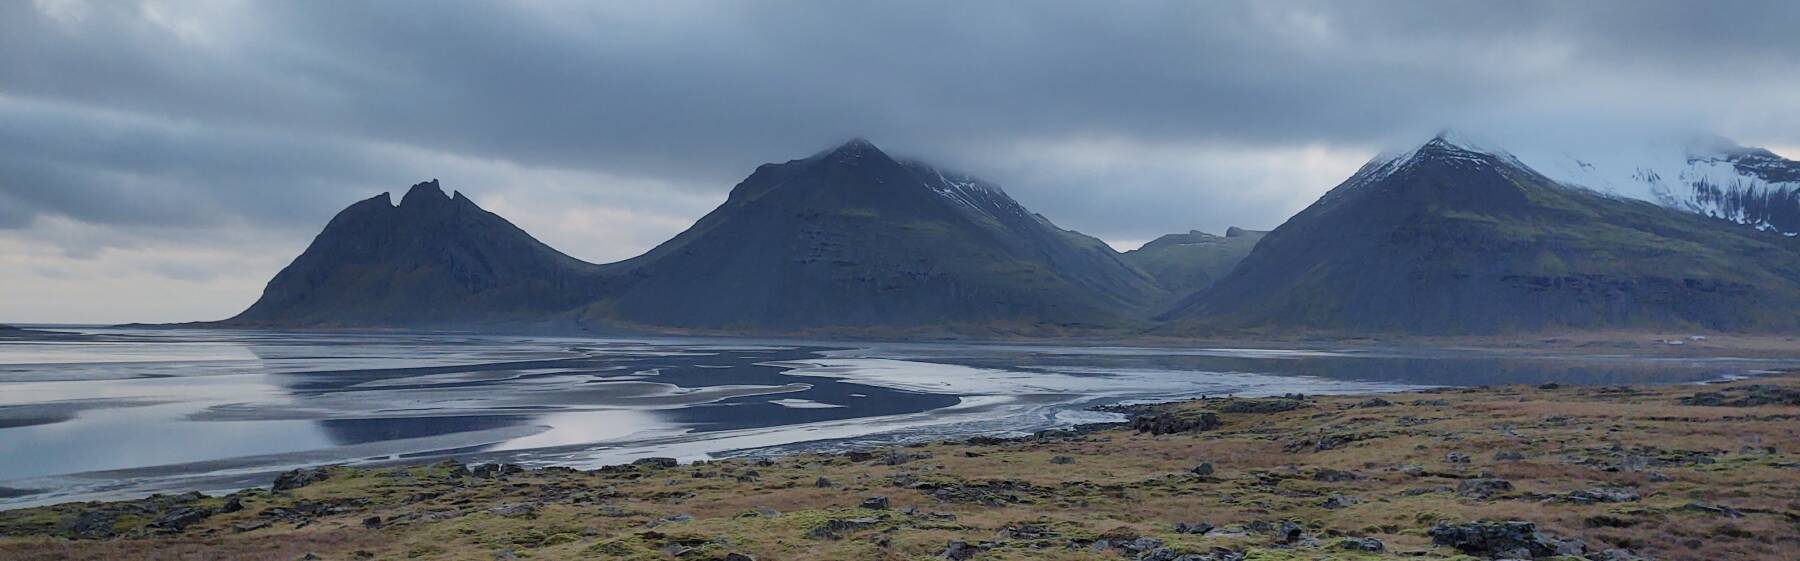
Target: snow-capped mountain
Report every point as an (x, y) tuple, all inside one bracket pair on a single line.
[(1710, 176), (1457, 237)]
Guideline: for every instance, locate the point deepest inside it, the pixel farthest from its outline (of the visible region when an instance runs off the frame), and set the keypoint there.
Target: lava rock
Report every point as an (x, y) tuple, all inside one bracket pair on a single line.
[(1371, 545), (1171, 423), (1483, 487), (1602, 495), (1503, 540), (958, 551), (180, 518), (295, 479), (1334, 475), (1197, 528)]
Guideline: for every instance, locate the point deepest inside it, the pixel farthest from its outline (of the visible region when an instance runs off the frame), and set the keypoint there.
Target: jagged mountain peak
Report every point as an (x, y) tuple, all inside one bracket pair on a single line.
[(424, 193)]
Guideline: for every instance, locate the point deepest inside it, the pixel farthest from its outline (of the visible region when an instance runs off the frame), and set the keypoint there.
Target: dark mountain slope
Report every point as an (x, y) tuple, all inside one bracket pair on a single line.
[(1186, 263), (432, 260), (853, 238), (1450, 239)]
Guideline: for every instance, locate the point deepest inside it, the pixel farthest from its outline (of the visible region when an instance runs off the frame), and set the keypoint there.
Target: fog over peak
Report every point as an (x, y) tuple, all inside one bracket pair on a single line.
[(160, 160)]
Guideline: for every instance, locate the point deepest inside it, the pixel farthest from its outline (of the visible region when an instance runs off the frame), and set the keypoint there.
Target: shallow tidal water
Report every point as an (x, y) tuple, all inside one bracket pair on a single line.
[(124, 412)]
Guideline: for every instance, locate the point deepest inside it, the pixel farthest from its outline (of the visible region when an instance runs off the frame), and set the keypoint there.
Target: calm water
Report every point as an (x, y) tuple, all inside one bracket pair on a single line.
[(127, 412)]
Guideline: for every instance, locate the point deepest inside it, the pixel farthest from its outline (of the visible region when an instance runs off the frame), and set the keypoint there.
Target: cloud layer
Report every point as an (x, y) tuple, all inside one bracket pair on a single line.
[(160, 159)]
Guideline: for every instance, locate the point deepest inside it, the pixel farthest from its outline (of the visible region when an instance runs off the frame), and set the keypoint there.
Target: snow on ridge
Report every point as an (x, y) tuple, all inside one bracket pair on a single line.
[(1700, 175)]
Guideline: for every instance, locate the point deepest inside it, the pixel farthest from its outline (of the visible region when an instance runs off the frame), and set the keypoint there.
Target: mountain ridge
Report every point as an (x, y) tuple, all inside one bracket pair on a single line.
[(1450, 239), (846, 238)]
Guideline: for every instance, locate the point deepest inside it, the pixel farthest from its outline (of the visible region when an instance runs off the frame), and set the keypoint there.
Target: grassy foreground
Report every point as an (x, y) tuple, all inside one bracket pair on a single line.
[(1683, 472)]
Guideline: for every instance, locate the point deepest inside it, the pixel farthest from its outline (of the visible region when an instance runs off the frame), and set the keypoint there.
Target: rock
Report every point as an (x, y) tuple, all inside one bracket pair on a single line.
[(1339, 501), (738, 557), (1416, 491), (1373, 402), (295, 479), (515, 510), (1709, 508), (310, 556), (657, 463), (179, 519), (1205, 469), (1371, 545), (1456, 458), (1746, 396), (1503, 540), (1062, 460), (1508, 456), (1322, 442), (1615, 555), (1334, 475), (494, 471), (1133, 548), (958, 551), (822, 483), (875, 503), (93, 524), (1483, 487), (1197, 528), (1549, 386), (251, 526), (1602, 495), (1289, 533), (1172, 423), (372, 522), (832, 529)]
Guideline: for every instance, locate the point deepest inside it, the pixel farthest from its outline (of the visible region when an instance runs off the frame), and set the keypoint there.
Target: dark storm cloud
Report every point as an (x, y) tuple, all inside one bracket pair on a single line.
[(705, 91), (1124, 119)]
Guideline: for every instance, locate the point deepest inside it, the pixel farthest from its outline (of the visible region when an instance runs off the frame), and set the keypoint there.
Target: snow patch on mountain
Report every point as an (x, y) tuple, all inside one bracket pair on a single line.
[(1710, 176)]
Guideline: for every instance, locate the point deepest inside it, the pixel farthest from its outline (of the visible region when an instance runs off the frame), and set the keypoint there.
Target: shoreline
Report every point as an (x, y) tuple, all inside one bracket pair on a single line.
[(1666, 472)]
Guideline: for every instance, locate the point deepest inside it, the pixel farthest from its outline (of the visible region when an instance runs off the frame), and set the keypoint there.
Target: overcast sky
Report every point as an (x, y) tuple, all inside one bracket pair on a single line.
[(160, 160)]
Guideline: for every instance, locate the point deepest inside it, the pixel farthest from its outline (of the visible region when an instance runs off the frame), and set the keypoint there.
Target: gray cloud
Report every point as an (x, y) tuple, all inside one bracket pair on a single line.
[(175, 119)]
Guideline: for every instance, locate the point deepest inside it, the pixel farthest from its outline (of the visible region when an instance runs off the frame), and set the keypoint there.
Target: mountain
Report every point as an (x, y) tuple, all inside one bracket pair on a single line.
[(848, 238), (1185, 263), (853, 238), (432, 260), (1710, 176), (1454, 238)]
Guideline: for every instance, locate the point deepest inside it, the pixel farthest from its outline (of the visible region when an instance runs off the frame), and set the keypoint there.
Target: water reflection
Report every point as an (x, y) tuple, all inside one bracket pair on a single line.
[(124, 411)]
